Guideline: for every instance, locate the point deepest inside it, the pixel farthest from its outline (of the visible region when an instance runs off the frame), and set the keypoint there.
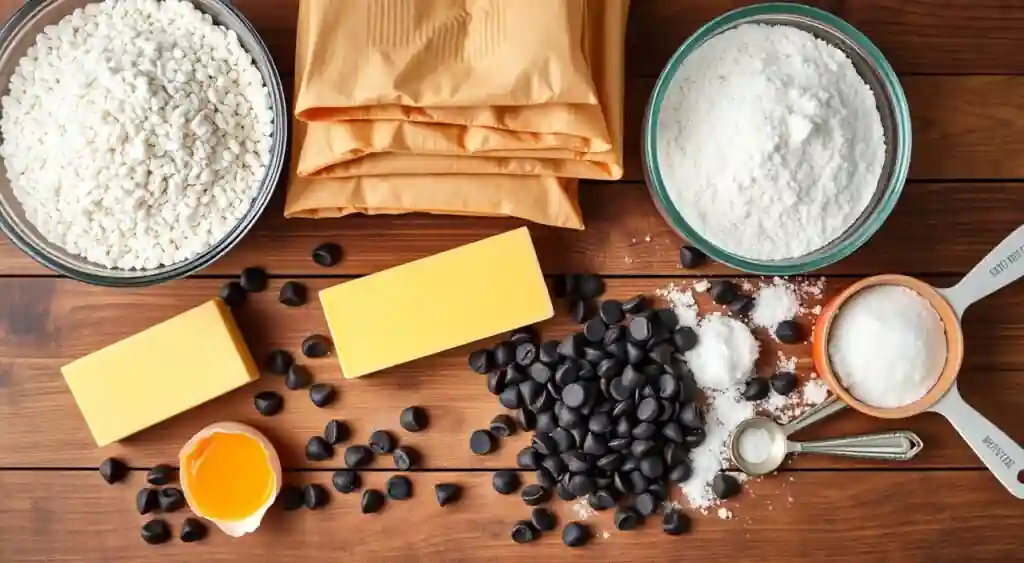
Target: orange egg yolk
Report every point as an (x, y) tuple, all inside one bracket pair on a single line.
[(229, 476)]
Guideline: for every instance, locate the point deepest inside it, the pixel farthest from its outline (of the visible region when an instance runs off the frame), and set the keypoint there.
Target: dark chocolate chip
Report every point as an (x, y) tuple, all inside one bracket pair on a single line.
[(541, 373), (784, 382), (511, 398), (496, 382), (632, 378), (595, 445), (723, 291), (192, 530), (514, 375), (316, 346), (523, 334), (601, 500), (742, 305), (546, 422), (694, 438), (634, 353), (582, 485), (680, 473), (358, 456), (578, 310), (523, 532), (644, 431), (575, 534), (572, 345), (600, 423), (399, 487), (623, 408), (639, 329), (233, 294), (327, 254), (789, 332), (691, 257), (668, 387), (147, 500), (278, 362), (658, 490), (526, 353), (530, 390), (506, 482), (156, 532), (755, 389), (546, 479), (593, 355), (315, 496), (319, 449), (610, 367), (171, 499), (548, 353), (635, 305), (640, 448), (667, 319), (611, 312), (526, 419), (504, 353), (481, 361), (372, 501), (629, 464), (563, 492), (405, 458), (565, 439), (673, 431), (577, 461), (503, 426), (575, 395), (322, 394), (253, 279), (610, 462), (268, 403), (543, 519), (567, 373), (555, 465), (594, 330), (346, 481), (627, 519), (336, 432), (298, 377), (648, 409), (290, 497), (527, 458), (447, 493), (481, 442), (293, 294), (725, 486), (685, 339), (413, 419), (646, 504), (675, 523), (675, 454), (652, 466), (589, 286), (534, 494), (691, 416), (615, 333), (160, 475), (382, 442)]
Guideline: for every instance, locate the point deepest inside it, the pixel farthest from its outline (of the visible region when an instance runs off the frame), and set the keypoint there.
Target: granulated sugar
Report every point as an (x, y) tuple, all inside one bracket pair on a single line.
[(725, 411), (755, 445), (770, 143), (815, 391), (785, 363), (683, 304), (887, 345), (773, 304), (725, 353)]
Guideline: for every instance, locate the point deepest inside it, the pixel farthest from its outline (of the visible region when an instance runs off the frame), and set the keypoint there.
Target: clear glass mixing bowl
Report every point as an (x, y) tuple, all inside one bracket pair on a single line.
[(890, 100), (18, 34)]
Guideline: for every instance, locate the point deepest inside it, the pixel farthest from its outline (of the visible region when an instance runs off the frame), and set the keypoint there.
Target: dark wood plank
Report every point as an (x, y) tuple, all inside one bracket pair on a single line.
[(47, 323), (821, 517)]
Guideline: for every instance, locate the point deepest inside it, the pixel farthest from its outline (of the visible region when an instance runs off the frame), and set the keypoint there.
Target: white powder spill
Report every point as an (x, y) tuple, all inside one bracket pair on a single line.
[(725, 353), (583, 510), (785, 363), (755, 445), (726, 410), (815, 391), (683, 304), (702, 286), (724, 513), (888, 346), (773, 304)]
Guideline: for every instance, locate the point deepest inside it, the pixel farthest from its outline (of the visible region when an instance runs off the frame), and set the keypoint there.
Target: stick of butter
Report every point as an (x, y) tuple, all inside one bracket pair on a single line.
[(160, 372), (437, 303)]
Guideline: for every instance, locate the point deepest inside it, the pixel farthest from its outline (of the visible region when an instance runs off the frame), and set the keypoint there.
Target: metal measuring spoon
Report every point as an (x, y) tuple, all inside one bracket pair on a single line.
[(899, 445)]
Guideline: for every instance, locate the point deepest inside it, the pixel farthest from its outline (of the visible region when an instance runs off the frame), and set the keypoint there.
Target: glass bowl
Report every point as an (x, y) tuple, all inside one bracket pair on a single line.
[(18, 34), (890, 101)]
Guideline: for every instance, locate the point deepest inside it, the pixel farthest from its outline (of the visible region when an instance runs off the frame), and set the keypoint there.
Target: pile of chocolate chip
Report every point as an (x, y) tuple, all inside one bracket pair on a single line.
[(613, 409), (159, 498)]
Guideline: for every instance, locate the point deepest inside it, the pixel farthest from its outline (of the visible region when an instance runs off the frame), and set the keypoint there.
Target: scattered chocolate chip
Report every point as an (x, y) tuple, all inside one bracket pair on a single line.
[(523, 334), (627, 519), (784, 382), (505, 482), (601, 500), (675, 523), (160, 475), (575, 534), (413, 419), (358, 456), (725, 486), (405, 458), (691, 416), (526, 419), (675, 454), (298, 377), (371, 501), (685, 339), (511, 398), (691, 257), (635, 305), (527, 458), (582, 485), (680, 473), (399, 487), (253, 279), (589, 286), (503, 426), (346, 481), (594, 330), (293, 294), (233, 294), (316, 346), (646, 504), (171, 499), (526, 354), (446, 493), (611, 312), (723, 291), (147, 500), (319, 449), (156, 531), (278, 362), (322, 394), (639, 329), (534, 494), (789, 332), (578, 311), (290, 497), (694, 438), (742, 305), (327, 254), (755, 389), (268, 403), (192, 530), (548, 353), (336, 432), (481, 442), (543, 519), (503, 354), (382, 442), (523, 532), (481, 361)]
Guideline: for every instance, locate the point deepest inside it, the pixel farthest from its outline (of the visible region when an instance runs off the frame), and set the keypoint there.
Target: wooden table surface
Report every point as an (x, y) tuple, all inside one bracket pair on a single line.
[(962, 66)]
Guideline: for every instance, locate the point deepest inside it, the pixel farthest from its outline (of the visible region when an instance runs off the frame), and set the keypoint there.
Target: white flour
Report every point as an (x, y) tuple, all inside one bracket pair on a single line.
[(773, 304), (755, 445), (770, 144), (725, 353), (887, 345)]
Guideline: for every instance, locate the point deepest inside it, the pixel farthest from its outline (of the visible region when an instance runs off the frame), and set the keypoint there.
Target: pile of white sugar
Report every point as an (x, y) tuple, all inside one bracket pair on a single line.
[(887, 345), (770, 144), (136, 132)]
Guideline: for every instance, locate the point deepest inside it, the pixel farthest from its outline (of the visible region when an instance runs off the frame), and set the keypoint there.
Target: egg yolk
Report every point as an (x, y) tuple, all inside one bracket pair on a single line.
[(229, 476)]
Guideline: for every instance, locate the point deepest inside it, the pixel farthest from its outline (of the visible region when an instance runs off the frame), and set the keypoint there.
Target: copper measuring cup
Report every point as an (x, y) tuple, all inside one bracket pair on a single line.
[(1004, 265)]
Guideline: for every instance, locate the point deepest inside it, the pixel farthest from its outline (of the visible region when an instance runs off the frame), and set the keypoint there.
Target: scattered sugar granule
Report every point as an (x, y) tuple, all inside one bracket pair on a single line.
[(745, 285), (683, 304), (815, 391), (726, 410), (816, 310), (605, 535), (755, 445), (583, 509), (773, 304), (725, 353), (724, 513), (785, 363), (702, 286)]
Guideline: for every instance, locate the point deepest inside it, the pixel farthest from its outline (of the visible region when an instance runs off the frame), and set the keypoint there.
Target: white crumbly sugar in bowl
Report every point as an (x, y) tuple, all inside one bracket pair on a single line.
[(769, 142), (136, 132), (887, 345)]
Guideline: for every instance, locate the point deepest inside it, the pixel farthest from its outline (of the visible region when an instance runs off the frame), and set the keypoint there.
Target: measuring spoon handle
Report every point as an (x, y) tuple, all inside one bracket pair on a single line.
[(1003, 456), (898, 445), (1001, 267), (826, 408)]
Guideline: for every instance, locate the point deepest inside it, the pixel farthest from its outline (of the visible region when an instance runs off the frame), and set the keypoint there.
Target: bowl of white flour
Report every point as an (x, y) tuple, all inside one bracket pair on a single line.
[(139, 139), (777, 139)]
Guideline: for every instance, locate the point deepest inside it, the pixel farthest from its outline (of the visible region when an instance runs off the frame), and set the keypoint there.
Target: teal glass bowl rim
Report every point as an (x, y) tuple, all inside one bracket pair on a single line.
[(862, 230)]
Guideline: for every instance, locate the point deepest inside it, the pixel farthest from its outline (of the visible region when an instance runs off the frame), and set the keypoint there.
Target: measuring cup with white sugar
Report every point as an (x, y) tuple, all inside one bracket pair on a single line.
[(759, 445), (1004, 265)]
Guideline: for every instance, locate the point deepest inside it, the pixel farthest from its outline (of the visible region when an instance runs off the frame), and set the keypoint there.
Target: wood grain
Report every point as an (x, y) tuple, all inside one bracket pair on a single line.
[(823, 517), (48, 323)]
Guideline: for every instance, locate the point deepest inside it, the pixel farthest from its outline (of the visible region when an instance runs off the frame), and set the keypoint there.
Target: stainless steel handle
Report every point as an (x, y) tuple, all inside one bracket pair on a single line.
[(1001, 267), (898, 445), (824, 409)]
